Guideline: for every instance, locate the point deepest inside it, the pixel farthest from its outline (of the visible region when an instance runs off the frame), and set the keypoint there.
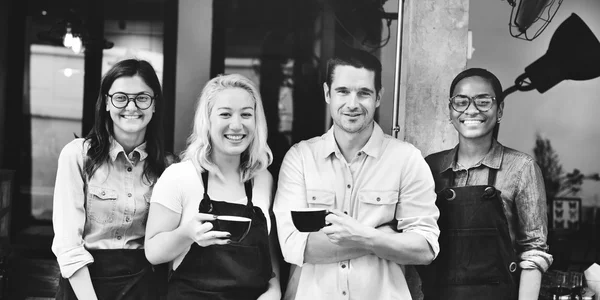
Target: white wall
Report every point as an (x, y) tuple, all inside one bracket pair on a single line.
[(567, 114)]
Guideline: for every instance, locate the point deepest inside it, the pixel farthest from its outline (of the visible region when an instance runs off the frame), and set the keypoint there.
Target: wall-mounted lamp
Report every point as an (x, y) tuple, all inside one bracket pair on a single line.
[(572, 54)]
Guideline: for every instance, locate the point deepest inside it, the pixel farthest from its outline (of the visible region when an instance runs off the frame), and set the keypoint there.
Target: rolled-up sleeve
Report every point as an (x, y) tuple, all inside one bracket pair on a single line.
[(68, 216), (291, 193), (416, 210), (532, 232)]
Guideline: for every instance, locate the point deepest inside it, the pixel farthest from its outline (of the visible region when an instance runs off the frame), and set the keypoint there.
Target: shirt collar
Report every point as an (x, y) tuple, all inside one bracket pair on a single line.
[(116, 148), (371, 148), (492, 159)]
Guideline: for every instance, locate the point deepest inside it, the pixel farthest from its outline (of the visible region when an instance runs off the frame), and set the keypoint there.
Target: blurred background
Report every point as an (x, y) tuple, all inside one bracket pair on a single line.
[(53, 54)]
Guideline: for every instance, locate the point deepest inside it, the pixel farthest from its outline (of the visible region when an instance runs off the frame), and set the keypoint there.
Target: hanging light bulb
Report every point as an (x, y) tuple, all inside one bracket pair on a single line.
[(68, 38), (76, 47)]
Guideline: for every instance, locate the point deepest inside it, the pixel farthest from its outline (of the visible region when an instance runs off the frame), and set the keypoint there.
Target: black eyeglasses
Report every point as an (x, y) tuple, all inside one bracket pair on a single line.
[(141, 100), (483, 103)]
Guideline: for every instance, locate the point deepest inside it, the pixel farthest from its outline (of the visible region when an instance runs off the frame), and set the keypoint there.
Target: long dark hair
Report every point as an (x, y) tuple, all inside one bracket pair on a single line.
[(99, 136)]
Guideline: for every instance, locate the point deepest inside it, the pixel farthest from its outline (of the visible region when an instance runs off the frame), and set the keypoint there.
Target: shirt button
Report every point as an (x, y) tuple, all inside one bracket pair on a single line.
[(314, 198), (359, 154), (103, 193), (119, 237), (343, 266), (127, 219), (378, 199), (129, 169), (344, 293), (348, 186), (129, 195)]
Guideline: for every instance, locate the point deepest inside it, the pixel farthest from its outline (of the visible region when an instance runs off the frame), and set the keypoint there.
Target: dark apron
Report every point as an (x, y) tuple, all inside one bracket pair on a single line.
[(119, 274), (476, 259), (235, 271)]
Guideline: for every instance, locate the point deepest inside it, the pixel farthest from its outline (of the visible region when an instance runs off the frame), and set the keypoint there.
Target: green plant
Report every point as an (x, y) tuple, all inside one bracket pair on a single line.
[(558, 184)]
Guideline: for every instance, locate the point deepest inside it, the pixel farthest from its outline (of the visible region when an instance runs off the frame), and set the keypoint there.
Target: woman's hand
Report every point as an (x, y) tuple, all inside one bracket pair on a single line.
[(199, 230)]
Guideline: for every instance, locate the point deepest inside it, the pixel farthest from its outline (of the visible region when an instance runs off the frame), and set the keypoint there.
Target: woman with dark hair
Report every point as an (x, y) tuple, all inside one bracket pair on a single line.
[(103, 188), (492, 204)]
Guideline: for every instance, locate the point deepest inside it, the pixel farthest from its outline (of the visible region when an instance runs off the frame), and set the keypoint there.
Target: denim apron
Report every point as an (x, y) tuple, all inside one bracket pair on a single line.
[(235, 271), (476, 259), (119, 274)]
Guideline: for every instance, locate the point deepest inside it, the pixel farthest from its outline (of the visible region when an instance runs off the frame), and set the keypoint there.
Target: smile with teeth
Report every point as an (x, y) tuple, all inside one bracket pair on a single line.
[(472, 122), (234, 137), (131, 117)]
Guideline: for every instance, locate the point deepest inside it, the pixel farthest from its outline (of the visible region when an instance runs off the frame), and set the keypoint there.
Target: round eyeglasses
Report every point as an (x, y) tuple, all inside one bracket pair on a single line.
[(141, 100), (461, 103)]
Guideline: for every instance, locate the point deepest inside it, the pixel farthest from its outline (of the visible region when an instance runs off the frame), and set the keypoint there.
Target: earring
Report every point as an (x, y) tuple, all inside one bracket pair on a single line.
[(499, 119)]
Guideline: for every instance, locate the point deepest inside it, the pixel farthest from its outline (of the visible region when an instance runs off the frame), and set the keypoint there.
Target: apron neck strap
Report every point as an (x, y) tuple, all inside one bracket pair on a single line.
[(247, 188), (205, 183), (450, 179), (492, 176)]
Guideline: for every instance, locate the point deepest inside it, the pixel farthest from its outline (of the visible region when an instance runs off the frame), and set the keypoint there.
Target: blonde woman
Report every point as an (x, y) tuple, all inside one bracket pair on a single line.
[(223, 172)]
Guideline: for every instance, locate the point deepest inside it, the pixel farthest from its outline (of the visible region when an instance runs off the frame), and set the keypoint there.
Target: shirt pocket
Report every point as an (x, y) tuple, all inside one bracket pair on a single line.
[(320, 198), (377, 207), (101, 204)]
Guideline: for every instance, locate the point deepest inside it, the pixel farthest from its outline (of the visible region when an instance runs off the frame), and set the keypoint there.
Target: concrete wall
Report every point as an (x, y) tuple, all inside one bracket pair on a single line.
[(434, 50)]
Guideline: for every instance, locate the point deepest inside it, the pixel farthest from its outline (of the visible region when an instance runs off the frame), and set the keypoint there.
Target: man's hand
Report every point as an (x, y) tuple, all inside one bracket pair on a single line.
[(346, 231)]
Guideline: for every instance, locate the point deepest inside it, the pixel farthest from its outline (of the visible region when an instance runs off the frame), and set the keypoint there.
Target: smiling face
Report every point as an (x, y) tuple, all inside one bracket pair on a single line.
[(232, 122), (352, 98), (129, 122), (472, 123)]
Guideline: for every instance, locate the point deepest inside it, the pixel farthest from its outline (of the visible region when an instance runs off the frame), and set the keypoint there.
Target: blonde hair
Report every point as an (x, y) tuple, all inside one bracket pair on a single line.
[(256, 157)]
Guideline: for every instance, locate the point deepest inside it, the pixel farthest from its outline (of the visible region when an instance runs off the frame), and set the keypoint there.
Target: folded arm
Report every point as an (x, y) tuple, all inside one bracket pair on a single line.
[(301, 247)]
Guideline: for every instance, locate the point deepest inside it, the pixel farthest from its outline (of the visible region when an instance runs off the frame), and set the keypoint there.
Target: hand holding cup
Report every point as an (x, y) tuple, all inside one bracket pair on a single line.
[(199, 229)]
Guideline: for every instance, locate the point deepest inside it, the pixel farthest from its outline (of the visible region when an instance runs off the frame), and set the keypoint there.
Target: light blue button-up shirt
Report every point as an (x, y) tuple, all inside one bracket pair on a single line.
[(108, 211), (387, 180)]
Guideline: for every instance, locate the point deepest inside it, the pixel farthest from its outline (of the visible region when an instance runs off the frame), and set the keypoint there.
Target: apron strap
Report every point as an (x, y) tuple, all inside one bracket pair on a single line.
[(248, 188), (205, 182), (450, 177), (249, 204), (206, 198), (492, 176), (205, 205)]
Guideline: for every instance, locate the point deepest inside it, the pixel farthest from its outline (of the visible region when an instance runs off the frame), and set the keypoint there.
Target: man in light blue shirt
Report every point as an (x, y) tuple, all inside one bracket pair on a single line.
[(368, 180)]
